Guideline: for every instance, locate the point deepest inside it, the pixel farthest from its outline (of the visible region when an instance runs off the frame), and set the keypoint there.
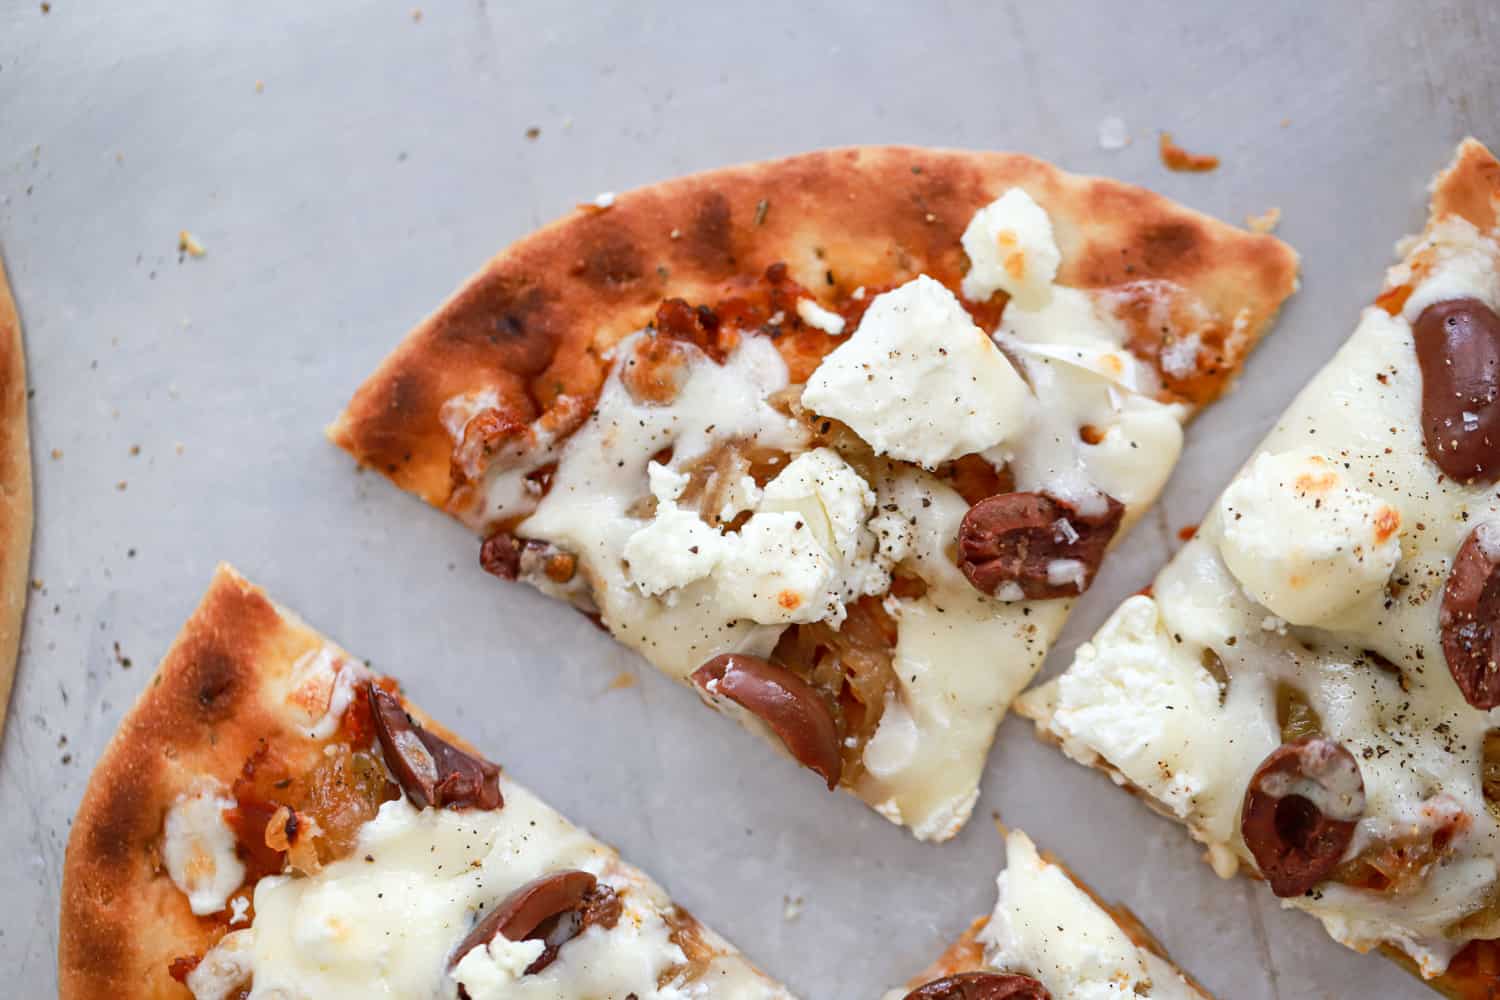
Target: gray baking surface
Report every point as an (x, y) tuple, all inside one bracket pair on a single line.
[(346, 165)]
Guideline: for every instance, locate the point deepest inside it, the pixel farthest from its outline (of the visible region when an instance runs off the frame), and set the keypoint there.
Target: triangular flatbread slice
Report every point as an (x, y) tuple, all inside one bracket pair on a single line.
[(272, 814), (1310, 684), (1050, 938), (15, 491), (864, 420)]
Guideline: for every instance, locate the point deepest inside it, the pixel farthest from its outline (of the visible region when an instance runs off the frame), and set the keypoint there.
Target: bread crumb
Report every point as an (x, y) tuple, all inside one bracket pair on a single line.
[(121, 485), (56, 454), (135, 450), (179, 447), (533, 133), (1265, 222), (624, 679), (260, 86), (1178, 159), (416, 15), (188, 243)]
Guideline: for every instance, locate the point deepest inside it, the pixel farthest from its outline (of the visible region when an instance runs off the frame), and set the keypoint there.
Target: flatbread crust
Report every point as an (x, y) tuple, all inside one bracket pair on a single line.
[(15, 491), (535, 322), (221, 692), (1469, 187)]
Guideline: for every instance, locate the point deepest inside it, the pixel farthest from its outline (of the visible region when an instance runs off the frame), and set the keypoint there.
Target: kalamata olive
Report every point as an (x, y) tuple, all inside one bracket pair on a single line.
[(981, 986), (430, 770), (1458, 350), (1300, 811), (501, 555), (790, 706), (554, 909), (1042, 545), (1469, 615)]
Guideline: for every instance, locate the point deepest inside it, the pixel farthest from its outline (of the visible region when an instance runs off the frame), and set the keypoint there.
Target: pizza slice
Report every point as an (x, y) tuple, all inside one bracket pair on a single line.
[(274, 822), (835, 439), (15, 492), (1310, 684), (1051, 938)]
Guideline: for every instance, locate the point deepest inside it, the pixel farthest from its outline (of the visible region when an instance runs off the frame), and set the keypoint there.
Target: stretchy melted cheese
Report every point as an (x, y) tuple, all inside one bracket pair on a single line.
[(1328, 553), (921, 385)]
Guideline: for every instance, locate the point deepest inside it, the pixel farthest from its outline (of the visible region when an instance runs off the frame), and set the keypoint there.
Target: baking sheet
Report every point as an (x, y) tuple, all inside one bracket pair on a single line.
[(344, 165)]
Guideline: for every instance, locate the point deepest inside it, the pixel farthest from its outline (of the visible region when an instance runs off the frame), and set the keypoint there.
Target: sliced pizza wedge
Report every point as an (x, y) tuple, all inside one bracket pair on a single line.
[(1051, 938), (1310, 684), (15, 491), (836, 439), (273, 820)]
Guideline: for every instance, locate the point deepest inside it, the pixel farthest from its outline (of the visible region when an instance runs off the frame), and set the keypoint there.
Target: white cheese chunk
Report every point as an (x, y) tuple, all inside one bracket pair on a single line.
[(833, 499), (777, 573), (198, 849), (488, 970), (1045, 926), (224, 968), (677, 546), (1011, 248), (919, 381), (1142, 700), (819, 318), (1305, 542)]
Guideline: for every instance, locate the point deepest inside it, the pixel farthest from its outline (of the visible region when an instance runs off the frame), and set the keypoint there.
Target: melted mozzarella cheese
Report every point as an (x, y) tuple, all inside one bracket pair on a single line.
[(922, 764), (1011, 248), (1138, 699), (198, 849), (1305, 542), (385, 920), (918, 381), (1075, 360), (601, 475), (1046, 926)]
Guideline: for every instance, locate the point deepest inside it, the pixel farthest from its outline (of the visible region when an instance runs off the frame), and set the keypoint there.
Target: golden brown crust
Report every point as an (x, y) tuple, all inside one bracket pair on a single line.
[(15, 491), (220, 692), (212, 699), (534, 322), (1469, 187)]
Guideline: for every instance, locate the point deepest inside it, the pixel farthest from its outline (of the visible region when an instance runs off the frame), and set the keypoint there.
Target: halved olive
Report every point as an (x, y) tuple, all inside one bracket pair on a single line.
[(430, 770), (1300, 811), (790, 706), (981, 986), (536, 911)]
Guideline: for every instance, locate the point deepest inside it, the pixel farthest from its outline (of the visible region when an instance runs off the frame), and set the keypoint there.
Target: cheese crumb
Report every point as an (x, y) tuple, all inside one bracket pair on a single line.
[(816, 316), (1011, 248), (198, 850)]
